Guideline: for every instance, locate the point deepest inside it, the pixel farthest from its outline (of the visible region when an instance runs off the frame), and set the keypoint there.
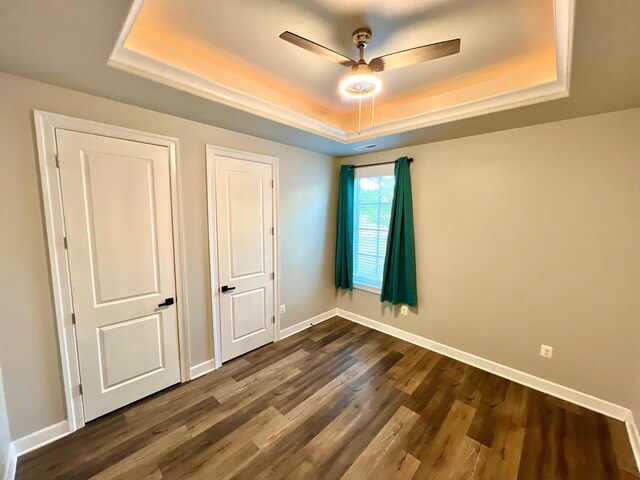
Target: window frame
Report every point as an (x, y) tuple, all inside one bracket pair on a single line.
[(383, 170)]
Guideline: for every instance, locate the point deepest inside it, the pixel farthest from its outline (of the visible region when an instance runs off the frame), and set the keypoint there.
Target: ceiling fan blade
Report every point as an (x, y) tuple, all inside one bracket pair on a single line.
[(317, 49), (415, 55)]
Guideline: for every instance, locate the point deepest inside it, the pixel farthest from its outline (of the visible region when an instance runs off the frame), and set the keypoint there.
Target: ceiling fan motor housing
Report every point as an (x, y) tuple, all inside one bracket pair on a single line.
[(360, 69), (361, 37)]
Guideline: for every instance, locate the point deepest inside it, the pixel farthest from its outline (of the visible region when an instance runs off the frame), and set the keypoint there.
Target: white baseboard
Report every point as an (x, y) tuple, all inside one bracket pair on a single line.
[(634, 437), (298, 327), (12, 462), (584, 400), (210, 365), (41, 438), (202, 369)]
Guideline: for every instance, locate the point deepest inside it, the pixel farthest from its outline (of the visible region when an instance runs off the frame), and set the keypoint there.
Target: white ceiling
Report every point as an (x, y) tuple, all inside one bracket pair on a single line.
[(68, 43), (492, 32)]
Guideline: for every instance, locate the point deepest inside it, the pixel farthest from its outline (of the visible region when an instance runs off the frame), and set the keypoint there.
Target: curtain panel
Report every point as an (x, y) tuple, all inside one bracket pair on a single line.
[(344, 230), (399, 273)]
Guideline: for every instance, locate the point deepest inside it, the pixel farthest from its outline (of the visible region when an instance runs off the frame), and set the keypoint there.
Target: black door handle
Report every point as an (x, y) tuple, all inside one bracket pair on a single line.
[(167, 302), (227, 288)]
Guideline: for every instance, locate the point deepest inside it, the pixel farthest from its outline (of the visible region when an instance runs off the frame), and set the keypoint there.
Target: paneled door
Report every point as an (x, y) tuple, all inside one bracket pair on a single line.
[(244, 208), (117, 208)]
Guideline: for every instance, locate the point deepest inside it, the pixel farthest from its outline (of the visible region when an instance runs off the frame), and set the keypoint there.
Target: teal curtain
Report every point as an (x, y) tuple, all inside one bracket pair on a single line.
[(399, 274), (344, 231)]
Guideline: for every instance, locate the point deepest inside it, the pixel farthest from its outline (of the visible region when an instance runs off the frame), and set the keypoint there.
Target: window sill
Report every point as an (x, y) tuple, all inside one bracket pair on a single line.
[(367, 288)]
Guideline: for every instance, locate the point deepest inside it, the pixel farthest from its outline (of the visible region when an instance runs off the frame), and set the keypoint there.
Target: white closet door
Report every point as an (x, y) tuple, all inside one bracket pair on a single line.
[(244, 206), (117, 208)]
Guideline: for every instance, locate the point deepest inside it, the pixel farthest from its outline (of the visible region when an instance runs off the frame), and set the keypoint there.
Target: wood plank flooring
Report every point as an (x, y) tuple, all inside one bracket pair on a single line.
[(342, 401)]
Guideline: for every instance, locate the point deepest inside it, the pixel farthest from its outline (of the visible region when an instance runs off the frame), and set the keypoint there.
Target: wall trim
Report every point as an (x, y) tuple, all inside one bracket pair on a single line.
[(202, 368), (134, 62), (40, 438), (303, 325), (634, 437), (45, 126), (12, 462), (150, 68), (565, 393)]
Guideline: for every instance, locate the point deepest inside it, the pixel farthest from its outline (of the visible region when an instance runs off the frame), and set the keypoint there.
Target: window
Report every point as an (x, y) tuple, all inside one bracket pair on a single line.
[(372, 199)]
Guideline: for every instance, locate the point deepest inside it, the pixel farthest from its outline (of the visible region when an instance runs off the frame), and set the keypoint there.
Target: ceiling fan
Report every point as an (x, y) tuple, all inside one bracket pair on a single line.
[(361, 81)]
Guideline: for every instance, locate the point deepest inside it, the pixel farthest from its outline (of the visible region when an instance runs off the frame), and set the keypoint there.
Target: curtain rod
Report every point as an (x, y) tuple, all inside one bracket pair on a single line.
[(381, 163)]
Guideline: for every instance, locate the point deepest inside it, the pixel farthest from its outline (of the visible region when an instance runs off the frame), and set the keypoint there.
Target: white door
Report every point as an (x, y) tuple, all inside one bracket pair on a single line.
[(244, 207), (117, 208)]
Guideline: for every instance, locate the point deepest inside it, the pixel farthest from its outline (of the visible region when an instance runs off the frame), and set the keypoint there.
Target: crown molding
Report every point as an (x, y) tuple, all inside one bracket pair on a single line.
[(153, 69), (145, 66)]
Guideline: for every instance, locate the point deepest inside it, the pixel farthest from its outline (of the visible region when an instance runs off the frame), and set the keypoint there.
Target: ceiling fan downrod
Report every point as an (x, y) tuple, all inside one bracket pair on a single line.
[(361, 38)]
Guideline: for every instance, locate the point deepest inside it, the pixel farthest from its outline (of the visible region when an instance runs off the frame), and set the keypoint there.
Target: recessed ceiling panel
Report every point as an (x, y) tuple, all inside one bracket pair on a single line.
[(507, 46)]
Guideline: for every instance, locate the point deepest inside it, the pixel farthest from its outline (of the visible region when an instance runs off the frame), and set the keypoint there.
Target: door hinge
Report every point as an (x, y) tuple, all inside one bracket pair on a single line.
[(273, 319), (57, 161), (273, 276), (273, 183), (73, 318), (80, 388), (66, 244), (273, 231)]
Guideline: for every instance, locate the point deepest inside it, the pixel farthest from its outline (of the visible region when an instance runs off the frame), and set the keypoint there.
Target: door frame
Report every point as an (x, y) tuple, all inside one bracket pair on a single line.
[(212, 151), (45, 126)]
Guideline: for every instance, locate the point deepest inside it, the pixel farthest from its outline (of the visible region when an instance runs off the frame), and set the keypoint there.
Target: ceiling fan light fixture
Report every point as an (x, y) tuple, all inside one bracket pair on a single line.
[(360, 86), (360, 83)]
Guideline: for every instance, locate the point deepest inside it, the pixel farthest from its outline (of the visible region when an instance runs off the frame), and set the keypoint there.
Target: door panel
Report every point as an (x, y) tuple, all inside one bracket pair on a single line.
[(244, 208), (117, 207), (139, 339), (245, 198), (119, 198), (248, 313)]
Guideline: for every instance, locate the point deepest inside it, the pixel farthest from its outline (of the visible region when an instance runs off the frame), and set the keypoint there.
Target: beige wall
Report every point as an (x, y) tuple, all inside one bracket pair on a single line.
[(28, 340), (5, 435), (523, 237), (531, 236)]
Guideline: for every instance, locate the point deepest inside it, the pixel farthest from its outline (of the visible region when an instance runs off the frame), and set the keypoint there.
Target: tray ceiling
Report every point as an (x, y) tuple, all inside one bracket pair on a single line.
[(493, 32), (514, 52), (70, 47)]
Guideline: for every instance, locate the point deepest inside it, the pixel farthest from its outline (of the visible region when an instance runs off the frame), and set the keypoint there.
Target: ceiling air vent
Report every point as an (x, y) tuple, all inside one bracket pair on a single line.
[(363, 148)]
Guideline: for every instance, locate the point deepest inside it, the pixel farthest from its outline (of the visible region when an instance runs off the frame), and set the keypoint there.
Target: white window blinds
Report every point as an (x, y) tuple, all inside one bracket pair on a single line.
[(373, 196)]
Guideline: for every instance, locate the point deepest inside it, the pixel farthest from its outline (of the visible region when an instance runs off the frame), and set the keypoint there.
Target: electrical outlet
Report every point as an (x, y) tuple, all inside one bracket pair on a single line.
[(283, 308), (546, 351), (404, 310)]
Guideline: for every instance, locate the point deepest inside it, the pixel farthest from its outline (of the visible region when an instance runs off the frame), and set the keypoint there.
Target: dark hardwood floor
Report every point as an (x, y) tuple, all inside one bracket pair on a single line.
[(342, 401)]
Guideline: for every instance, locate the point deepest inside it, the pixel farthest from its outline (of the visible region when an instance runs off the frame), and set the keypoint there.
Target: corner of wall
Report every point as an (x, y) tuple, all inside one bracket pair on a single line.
[(579, 398), (10, 464), (634, 437)]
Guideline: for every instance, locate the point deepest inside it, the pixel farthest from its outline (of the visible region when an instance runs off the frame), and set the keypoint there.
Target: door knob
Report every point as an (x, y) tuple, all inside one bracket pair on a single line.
[(166, 303), (227, 288)]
